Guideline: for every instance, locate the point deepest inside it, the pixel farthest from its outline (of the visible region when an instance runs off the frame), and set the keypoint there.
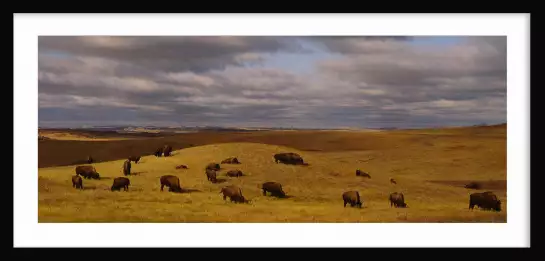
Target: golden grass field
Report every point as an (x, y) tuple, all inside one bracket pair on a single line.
[(430, 167)]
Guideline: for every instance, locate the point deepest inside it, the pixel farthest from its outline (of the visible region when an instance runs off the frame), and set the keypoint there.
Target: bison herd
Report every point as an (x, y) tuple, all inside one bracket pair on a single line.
[(485, 200)]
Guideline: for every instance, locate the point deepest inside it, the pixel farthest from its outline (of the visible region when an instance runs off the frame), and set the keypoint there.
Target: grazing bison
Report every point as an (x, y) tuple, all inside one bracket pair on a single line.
[(485, 200), (90, 160), (134, 158), (127, 168), (230, 161), (77, 182), (167, 150), (119, 183), (353, 198), (181, 167), (158, 152), (234, 173), (362, 174), (211, 175), (393, 181), (289, 158), (473, 185), (172, 182), (234, 193), (274, 188), (213, 166), (87, 171), (398, 200)]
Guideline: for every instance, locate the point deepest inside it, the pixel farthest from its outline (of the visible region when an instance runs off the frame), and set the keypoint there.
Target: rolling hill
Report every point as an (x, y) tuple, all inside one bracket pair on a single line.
[(430, 166)]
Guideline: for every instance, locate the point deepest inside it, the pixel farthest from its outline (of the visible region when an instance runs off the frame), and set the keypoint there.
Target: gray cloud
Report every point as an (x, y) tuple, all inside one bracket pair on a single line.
[(171, 53), (376, 82)]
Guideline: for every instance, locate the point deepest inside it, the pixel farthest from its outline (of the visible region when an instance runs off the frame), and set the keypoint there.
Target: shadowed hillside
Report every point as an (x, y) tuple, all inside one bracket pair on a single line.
[(67, 152)]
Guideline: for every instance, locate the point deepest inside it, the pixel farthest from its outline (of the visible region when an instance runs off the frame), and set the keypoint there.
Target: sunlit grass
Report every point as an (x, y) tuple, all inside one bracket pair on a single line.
[(315, 189)]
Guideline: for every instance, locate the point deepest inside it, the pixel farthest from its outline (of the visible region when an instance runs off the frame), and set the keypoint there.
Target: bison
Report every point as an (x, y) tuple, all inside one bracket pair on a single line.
[(393, 181), (234, 193), (172, 182), (232, 160), (181, 167), (473, 185), (127, 168), (213, 166), (87, 172), (121, 182), (274, 188), (398, 200), (362, 174), (167, 149), (77, 182), (353, 198), (234, 173), (90, 160), (289, 158), (211, 175), (134, 158), (485, 200), (158, 152)]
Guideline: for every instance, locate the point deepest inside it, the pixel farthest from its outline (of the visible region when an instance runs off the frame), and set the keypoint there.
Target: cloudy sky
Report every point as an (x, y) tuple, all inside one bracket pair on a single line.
[(272, 81)]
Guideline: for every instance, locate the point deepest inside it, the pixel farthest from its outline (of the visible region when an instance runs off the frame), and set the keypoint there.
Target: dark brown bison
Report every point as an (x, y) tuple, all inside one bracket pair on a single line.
[(213, 166), (158, 152), (289, 158), (352, 198), (211, 175), (181, 167), (234, 193), (362, 174), (90, 160), (77, 182), (234, 173), (398, 200), (87, 172), (473, 185), (393, 181), (120, 182), (167, 150), (230, 161), (172, 182), (274, 188), (485, 200), (134, 158), (127, 167)]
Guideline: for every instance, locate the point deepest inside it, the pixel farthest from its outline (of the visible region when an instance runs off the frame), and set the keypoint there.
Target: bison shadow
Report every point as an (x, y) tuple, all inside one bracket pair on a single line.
[(89, 187), (295, 164), (280, 196), (137, 173), (189, 190), (243, 175), (219, 180)]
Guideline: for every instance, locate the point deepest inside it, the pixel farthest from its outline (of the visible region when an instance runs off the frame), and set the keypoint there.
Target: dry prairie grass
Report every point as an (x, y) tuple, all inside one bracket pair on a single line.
[(415, 161)]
